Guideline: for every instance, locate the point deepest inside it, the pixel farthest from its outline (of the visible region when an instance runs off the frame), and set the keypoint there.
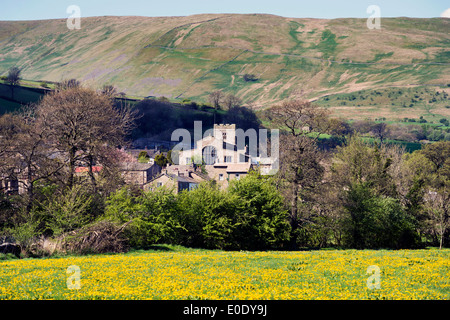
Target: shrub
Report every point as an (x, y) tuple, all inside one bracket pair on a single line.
[(444, 121), (69, 210), (161, 160), (376, 221), (249, 77), (150, 216), (260, 218), (250, 215), (25, 230), (143, 157), (206, 215)]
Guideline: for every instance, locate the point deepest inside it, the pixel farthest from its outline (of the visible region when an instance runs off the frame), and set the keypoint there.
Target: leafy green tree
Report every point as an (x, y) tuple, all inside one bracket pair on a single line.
[(206, 215), (143, 157), (151, 215), (260, 217), (375, 221), (69, 210), (123, 205), (374, 215), (231, 101), (161, 160)]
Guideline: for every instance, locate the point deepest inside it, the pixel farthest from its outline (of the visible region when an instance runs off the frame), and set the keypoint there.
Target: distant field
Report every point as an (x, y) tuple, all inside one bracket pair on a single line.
[(394, 104), (179, 273)]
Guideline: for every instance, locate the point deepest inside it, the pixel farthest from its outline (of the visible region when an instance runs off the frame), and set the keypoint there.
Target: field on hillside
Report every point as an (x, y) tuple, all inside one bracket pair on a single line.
[(189, 57), (395, 103), (178, 273)]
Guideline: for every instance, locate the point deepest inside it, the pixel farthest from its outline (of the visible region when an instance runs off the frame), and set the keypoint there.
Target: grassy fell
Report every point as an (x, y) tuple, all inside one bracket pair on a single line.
[(166, 55)]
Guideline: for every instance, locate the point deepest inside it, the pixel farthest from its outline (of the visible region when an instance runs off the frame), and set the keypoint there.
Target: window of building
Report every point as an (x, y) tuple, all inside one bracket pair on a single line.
[(209, 155), (220, 176), (159, 184), (227, 159), (224, 136), (238, 176)]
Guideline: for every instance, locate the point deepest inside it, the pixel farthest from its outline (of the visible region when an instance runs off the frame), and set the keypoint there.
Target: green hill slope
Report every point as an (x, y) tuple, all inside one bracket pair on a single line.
[(188, 57)]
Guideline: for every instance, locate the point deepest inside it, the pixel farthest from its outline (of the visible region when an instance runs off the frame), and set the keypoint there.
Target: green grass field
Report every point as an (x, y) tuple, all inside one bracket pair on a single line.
[(393, 104), (176, 273)]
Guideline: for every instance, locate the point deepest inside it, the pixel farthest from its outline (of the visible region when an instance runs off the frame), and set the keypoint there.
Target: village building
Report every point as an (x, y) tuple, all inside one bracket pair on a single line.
[(215, 157), (139, 173), (223, 173), (220, 147), (15, 182), (173, 182), (134, 173), (10, 185)]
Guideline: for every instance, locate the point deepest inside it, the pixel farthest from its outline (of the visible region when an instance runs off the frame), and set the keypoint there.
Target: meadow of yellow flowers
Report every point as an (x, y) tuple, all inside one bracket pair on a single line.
[(209, 274)]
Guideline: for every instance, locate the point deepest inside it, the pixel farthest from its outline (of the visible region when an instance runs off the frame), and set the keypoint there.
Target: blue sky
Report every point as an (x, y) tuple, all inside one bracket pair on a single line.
[(327, 9)]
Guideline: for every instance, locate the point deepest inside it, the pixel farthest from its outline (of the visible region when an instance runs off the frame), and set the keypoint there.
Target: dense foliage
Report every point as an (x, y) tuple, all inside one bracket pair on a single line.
[(249, 215), (357, 193)]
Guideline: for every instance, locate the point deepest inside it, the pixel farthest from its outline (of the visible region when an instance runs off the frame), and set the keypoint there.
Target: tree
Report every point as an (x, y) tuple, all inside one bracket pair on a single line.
[(300, 159), (84, 127), (68, 210), (161, 160), (439, 154), (109, 90), (367, 179), (437, 195), (299, 118), (362, 126), (250, 77), (339, 127), (231, 101), (375, 221), (445, 122), (13, 79), (380, 130), (68, 84), (151, 215), (26, 156), (243, 117), (143, 156), (360, 162), (215, 98), (437, 205), (206, 217), (260, 218), (250, 215)]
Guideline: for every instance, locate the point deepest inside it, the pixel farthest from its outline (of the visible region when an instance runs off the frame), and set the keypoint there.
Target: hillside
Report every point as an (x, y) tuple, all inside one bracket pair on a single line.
[(188, 57)]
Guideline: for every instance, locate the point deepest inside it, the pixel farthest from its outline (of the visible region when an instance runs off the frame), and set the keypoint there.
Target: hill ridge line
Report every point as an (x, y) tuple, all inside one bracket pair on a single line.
[(182, 26)]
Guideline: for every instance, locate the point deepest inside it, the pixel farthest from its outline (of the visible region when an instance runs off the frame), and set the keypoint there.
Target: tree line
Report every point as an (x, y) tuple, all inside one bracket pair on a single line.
[(359, 194)]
